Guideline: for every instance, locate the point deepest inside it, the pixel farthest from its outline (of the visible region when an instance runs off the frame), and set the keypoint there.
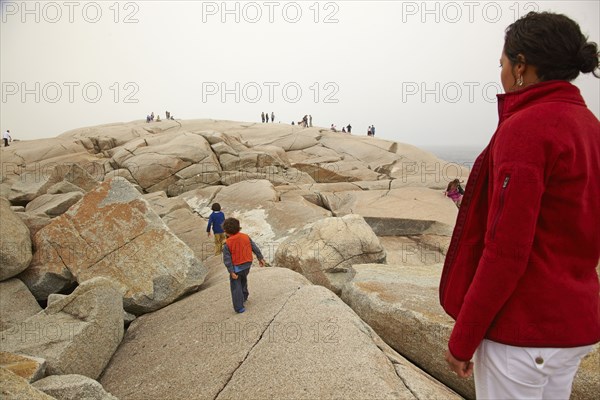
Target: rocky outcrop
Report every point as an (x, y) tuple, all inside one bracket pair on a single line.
[(15, 248), (26, 189), (191, 229), (54, 188), (281, 181), (418, 250), (163, 205), (74, 176), (397, 212), (27, 166), (73, 387), (401, 304), (27, 367), (77, 334), (53, 204), (113, 232), (267, 219), (271, 351), (64, 187), (16, 388), (325, 251), (16, 303), (587, 381), (154, 162), (34, 222), (47, 272)]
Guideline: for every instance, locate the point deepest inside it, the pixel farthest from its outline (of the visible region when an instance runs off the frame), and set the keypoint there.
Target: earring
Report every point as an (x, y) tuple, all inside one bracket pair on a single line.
[(520, 80)]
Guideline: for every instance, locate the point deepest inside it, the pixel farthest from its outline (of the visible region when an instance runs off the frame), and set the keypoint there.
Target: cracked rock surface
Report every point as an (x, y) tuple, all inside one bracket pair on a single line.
[(113, 232), (76, 334), (15, 248), (325, 251), (295, 340), (397, 212)]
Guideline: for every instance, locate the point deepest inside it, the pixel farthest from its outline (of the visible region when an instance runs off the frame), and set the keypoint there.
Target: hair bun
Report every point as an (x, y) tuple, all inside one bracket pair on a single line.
[(587, 58)]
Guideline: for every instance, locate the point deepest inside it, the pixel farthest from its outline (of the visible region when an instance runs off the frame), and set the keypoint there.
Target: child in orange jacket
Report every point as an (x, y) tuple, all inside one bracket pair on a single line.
[(237, 257)]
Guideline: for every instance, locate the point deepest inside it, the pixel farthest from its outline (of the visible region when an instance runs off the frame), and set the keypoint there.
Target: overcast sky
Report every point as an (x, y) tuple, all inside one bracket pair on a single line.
[(424, 73)]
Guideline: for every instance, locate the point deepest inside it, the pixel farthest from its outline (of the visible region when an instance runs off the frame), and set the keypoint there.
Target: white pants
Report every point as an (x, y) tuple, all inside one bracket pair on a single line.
[(509, 372)]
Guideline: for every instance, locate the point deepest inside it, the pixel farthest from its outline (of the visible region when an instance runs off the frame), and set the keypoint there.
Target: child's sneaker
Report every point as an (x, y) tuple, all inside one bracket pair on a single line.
[(241, 310)]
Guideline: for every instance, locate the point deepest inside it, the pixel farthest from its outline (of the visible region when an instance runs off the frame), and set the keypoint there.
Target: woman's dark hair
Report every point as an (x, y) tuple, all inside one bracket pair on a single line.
[(216, 207), (553, 43), (231, 226)]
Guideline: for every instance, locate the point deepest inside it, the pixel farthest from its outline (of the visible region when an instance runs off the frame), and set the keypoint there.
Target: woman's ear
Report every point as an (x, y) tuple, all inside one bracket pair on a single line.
[(521, 65)]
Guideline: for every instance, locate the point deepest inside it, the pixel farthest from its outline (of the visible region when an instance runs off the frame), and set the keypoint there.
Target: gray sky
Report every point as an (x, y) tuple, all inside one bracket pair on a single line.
[(424, 73)]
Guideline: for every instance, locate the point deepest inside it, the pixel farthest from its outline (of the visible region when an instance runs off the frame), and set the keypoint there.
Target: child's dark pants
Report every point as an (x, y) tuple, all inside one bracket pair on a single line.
[(239, 289)]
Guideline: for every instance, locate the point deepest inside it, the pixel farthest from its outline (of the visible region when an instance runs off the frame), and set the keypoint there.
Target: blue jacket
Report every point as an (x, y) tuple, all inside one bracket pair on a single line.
[(216, 220)]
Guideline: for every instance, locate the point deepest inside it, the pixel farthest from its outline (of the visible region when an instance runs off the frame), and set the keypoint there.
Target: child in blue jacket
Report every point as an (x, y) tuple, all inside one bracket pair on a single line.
[(215, 221)]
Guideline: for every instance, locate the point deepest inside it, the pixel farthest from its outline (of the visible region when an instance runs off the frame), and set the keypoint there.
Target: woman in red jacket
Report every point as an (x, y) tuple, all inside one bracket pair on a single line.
[(520, 273)]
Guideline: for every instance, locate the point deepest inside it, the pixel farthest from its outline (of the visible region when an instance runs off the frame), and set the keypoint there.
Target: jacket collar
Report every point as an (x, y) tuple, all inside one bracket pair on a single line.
[(542, 92)]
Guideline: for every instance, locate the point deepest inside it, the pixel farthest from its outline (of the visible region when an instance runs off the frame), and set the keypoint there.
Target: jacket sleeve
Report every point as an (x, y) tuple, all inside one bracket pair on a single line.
[(256, 250), (227, 258), (210, 222), (518, 184)]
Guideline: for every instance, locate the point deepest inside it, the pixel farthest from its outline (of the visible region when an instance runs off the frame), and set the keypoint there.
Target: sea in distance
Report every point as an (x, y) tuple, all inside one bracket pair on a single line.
[(462, 155)]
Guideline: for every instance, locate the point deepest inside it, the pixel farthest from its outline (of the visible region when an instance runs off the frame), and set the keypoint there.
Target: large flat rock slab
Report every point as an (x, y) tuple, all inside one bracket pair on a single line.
[(401, 304), (113, 232), (397, 212), (295, 340)]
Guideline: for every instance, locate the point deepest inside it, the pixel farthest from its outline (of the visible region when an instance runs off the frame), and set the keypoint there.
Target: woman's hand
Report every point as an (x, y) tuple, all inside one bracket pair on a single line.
[(463, 369)]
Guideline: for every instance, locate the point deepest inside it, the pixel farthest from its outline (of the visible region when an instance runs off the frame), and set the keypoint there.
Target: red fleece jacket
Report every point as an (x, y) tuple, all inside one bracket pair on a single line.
[(521, 266)]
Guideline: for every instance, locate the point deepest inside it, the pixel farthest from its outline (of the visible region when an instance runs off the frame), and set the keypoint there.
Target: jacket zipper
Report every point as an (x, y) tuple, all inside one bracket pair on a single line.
[(461, 219), (500, 206)]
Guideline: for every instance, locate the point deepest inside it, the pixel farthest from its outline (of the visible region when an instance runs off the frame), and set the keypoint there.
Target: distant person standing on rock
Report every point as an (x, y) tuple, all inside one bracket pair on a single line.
[(262, 117), (349, 128), (372, 130), (7, 138), (520, 274), (369, 131), (310, 121), (273, 117), (237, 257), (215, 221)]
